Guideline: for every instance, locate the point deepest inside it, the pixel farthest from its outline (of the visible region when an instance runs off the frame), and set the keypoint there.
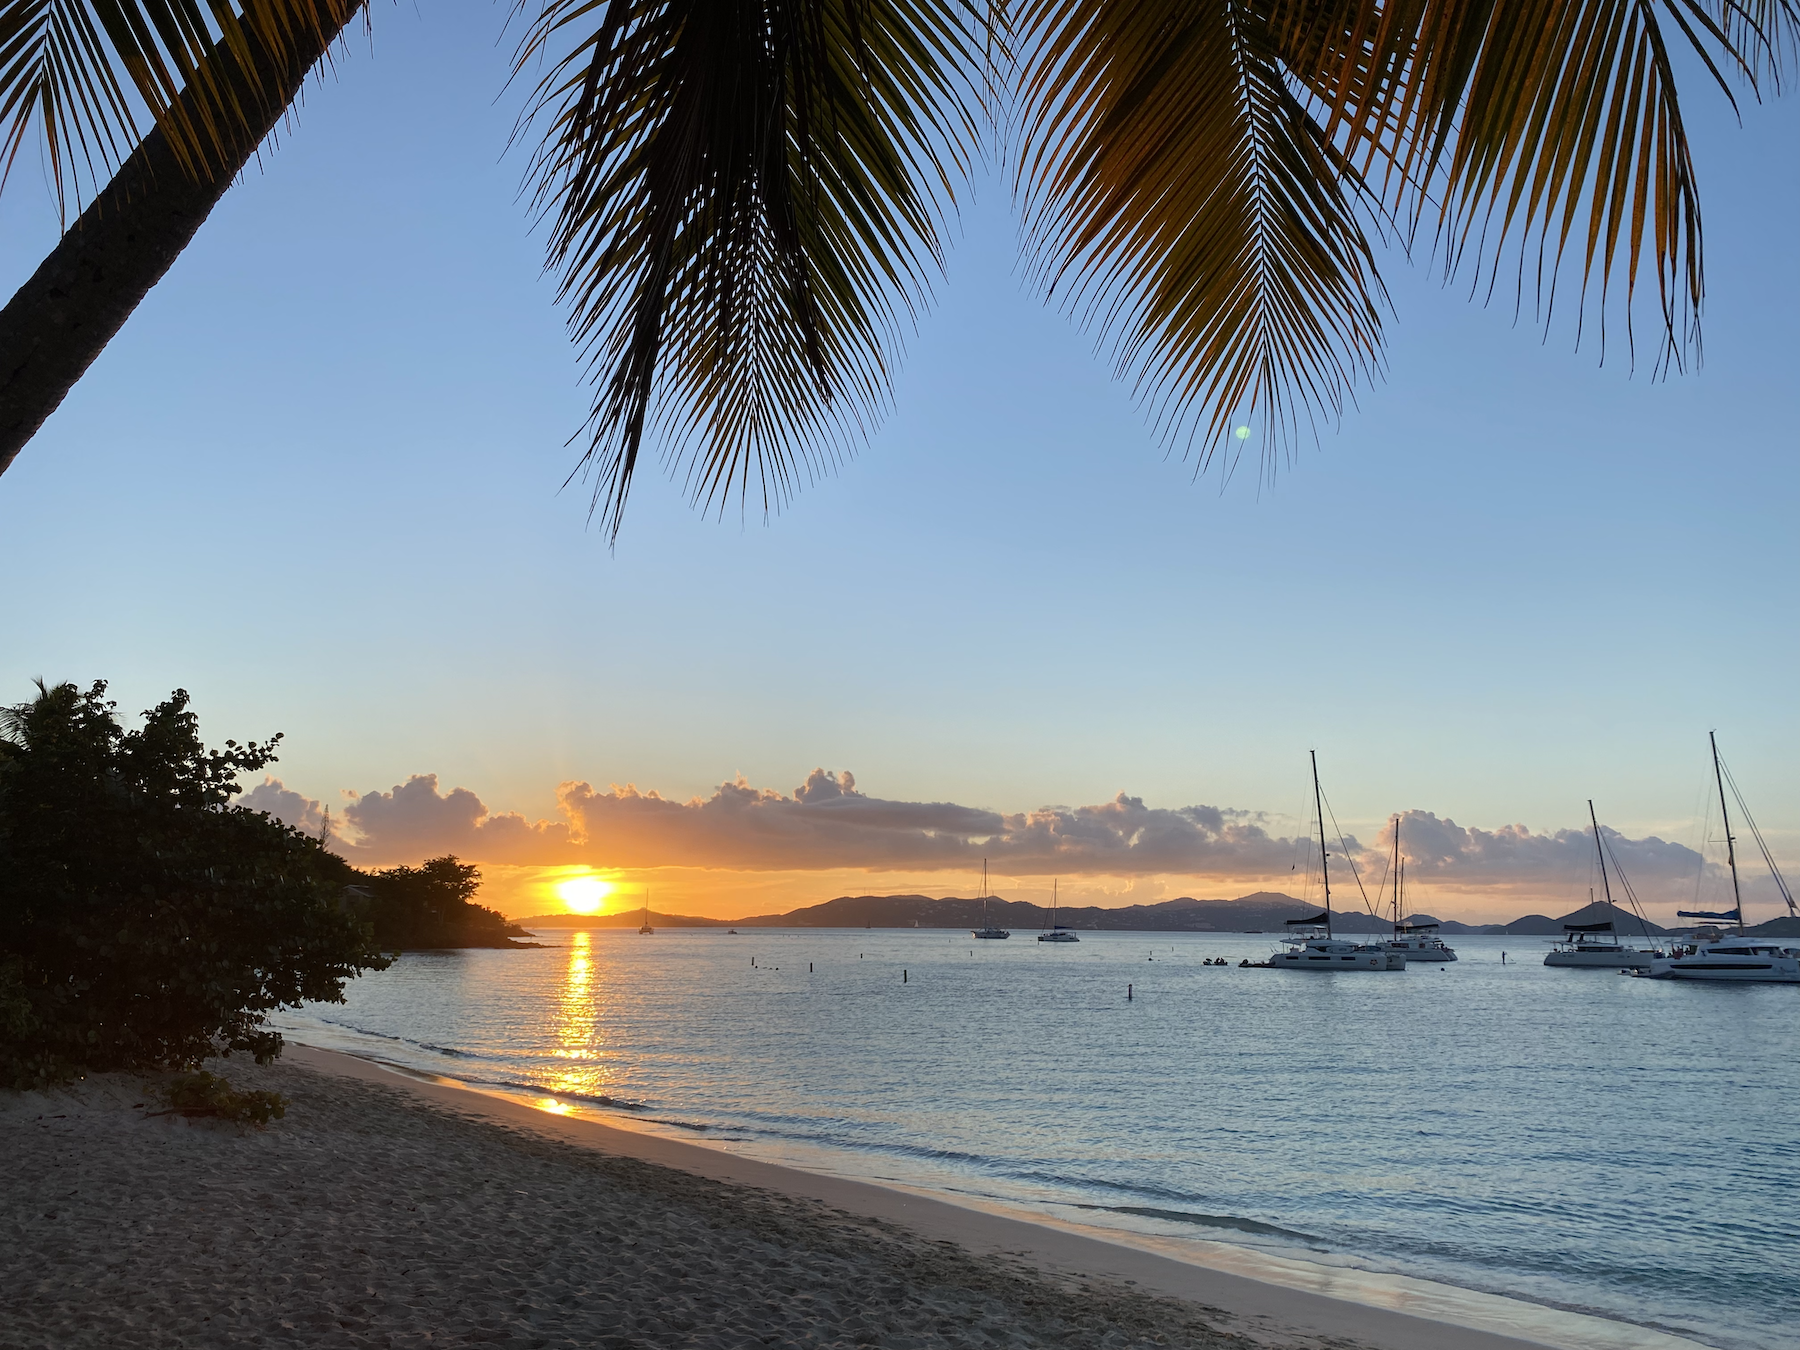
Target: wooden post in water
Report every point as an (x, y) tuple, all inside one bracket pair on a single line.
[(903, 977), (1128, 993)]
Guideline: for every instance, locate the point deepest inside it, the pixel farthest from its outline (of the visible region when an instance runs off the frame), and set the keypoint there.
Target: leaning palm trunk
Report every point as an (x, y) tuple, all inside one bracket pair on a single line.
[(135, 228)]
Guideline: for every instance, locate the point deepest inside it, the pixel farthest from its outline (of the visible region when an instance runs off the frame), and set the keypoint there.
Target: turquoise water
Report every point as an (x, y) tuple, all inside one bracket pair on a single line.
[(1623, 1147)]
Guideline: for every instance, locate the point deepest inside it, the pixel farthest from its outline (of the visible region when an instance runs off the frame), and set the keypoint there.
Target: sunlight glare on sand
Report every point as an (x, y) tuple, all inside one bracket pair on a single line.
[(583, 895)]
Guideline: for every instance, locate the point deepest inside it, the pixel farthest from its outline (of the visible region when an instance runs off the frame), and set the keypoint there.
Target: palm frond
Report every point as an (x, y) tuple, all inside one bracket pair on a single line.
[(80, 75), (1546, 126), (745, 201), (1185, 203)]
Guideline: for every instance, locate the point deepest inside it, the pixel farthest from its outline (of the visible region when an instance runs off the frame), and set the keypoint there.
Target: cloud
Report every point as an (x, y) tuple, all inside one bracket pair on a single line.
[(1440, 849), (414, 820), (287, 806), (828, 822)]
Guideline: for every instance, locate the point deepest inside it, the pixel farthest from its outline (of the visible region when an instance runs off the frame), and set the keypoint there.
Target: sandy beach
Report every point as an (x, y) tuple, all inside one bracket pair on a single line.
[(388, 1212)]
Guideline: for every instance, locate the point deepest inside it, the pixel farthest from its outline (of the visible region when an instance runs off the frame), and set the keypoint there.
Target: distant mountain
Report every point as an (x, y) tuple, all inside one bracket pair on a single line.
[(1264, 911), (1784, 927)]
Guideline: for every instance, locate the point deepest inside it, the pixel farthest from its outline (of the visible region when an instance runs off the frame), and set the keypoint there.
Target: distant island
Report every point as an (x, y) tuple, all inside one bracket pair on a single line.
[(1263, 911)]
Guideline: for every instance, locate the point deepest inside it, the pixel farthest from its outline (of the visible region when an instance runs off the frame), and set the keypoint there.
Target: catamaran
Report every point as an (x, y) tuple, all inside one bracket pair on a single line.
[(1056, 932), (987, 930), (646, 926), (1415, 941), (1715, 955), (1310, 943), (1596, 946)]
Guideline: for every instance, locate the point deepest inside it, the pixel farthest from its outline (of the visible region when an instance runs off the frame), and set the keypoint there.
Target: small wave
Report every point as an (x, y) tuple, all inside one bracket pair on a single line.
[(544, 1089), (1230, 1221)]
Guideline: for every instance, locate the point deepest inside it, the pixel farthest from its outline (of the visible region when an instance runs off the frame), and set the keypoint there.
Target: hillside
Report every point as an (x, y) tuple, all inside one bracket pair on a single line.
[(1264, 911)]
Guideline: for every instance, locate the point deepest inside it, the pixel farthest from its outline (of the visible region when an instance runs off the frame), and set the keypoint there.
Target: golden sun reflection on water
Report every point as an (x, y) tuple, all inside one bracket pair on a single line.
[(576, 1023)]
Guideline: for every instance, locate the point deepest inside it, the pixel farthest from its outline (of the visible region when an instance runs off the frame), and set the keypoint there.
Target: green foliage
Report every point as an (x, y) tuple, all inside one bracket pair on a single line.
[(145, 922), (206, 1094), (432, 906)]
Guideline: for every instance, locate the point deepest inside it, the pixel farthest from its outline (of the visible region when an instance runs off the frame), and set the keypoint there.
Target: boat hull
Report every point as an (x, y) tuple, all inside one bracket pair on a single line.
[(1057, 937), (1738, 969), (1330, 962), (1414, 955), (1620, 960)]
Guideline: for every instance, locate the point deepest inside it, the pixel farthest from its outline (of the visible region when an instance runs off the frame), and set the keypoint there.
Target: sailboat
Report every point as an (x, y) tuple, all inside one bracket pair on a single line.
[(1311, 945), (1714, 955), (1595, 946), (646, 928), (1414, 941), (1056, 932), (987, 930)]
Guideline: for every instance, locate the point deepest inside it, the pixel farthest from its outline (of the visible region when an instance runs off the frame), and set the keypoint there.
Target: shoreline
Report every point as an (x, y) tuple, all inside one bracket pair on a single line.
[(1263, 1295)]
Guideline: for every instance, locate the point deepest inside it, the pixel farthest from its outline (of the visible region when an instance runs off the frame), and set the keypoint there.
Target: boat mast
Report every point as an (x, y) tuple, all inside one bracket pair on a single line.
[(1324, 867), (1730, 844), (1398, 870), (1602, 852)]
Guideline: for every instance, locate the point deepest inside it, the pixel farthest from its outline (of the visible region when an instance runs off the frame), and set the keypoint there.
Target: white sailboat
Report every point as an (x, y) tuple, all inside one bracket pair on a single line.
[(1596, 946), (1715, 955), (987, 930), (1056, 932), (1414, 941), (1310, 942)]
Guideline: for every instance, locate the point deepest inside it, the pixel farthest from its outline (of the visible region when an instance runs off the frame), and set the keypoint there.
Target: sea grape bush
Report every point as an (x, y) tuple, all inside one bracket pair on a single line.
[(206, 1094), (145, 921)]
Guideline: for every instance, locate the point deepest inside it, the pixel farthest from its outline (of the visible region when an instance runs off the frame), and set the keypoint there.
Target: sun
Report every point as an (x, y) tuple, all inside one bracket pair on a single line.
[(583, 895)]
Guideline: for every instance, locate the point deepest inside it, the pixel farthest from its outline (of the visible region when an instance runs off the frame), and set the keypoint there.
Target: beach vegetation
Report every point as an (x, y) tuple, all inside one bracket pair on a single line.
[(206, 1094), (746, 204), (432, 905), (147, 922)]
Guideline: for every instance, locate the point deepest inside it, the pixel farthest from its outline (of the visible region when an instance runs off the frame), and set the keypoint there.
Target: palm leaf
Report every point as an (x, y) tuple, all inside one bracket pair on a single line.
[(80, 74), (1183, 201), (1547, 126), (745, 201)]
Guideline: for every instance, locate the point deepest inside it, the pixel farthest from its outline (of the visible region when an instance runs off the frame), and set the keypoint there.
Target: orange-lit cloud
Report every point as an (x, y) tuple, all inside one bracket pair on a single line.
[(829, 828)]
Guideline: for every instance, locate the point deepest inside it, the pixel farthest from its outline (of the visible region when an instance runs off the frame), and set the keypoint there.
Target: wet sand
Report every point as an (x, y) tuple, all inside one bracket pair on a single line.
[(384, 1211)]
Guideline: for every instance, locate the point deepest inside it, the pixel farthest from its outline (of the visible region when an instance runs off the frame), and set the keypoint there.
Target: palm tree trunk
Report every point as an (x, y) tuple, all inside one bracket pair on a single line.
[(132, 232)]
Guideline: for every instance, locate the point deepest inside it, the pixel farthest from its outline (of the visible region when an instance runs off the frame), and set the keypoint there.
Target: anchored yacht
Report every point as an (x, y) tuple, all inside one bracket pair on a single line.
[(1056, 932), (1715, 955), (987, 930), (1415, 941), (1596, 946), (1310, 942)]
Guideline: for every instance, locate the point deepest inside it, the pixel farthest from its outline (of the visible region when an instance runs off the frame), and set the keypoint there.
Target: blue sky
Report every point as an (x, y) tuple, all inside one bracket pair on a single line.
[(316, 481)]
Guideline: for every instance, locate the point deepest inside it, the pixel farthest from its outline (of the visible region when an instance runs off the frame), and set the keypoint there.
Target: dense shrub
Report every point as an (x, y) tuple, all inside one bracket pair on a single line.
[(146, 922), (205, 1094), (432, 906)]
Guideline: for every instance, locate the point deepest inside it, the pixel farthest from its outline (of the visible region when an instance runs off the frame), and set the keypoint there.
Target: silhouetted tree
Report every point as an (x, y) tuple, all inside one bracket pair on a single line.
[(145, 921), (431, 905)]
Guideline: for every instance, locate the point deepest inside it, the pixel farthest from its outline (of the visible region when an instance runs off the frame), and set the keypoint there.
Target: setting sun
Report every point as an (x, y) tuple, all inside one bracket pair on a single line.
[(583, 895)]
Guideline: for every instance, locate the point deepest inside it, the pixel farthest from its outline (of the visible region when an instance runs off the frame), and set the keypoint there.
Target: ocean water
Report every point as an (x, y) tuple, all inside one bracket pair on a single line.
[(1628, 1148)]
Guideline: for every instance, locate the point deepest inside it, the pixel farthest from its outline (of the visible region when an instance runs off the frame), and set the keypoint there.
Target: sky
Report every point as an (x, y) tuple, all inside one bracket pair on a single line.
[(318, 481)]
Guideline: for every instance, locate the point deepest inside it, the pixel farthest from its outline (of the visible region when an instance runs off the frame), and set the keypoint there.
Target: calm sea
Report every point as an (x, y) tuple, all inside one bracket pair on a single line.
[(1574, 1138)]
